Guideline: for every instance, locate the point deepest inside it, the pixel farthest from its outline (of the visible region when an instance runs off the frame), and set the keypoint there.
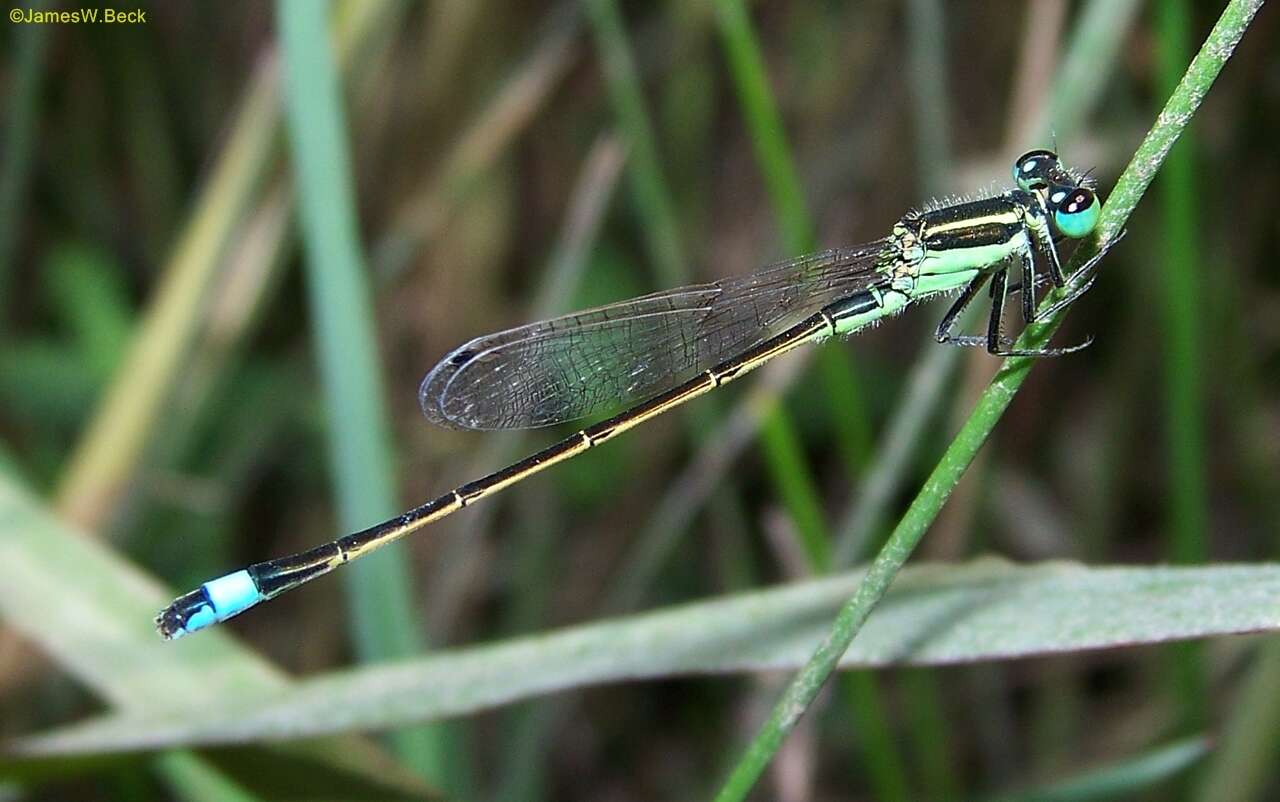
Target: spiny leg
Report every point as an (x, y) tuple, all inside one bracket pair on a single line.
[(948, 323), (1016, 287), (993, 330), (993, 341), (1080, 281), (1029, 281), (995, 321)]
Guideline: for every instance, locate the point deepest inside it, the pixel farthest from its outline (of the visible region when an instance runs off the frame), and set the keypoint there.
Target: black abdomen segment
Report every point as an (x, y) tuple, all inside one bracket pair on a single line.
[(277, 576)]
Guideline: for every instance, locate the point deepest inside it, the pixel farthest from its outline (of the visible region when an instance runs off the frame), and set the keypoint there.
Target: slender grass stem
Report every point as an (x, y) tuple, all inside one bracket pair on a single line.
[(20, 125), (1188, 514), (1122, 780), (779, 439), (1129, 189), (382, 617), (648, 187), (773, 154), (882, 760), (110, 451)]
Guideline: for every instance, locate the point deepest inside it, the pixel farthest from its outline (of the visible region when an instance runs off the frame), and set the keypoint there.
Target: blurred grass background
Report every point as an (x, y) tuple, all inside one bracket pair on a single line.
[(164, 384)]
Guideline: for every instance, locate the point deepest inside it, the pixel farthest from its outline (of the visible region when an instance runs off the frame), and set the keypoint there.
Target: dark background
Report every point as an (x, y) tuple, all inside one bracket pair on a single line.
[(476, 128)]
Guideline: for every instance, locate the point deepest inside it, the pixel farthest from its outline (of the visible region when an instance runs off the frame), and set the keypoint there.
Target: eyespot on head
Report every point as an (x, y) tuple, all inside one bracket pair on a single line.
[(1075, 210), (1036, 170)]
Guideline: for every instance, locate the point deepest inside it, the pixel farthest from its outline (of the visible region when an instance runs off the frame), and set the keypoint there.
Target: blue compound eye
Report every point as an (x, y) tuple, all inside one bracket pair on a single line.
[(1035, 169), (1076, 213)]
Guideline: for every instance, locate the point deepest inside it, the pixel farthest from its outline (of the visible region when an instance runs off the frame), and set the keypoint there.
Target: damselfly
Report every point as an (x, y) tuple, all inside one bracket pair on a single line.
[(659, 351)]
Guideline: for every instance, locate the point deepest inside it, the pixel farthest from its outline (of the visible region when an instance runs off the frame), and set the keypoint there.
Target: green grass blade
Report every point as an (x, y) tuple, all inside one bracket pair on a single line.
[(849, 417), (1124, 780), (91, 612), (798, 233), (648, 187), (1184, 322), (1246, 760), (932, 735), (778, 436), (111, 449), (936, 614), (1129, 189), (88, 290), (27, 75), (194, 779), (927, 69), (383, 622), (764, 124)]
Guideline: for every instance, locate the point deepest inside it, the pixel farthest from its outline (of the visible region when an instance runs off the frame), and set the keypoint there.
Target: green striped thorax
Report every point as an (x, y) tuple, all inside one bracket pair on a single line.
[(945, 247)]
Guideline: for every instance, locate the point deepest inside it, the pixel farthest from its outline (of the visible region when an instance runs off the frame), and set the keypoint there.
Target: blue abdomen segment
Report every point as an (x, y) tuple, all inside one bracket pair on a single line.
[(213, 602), (231, 594)]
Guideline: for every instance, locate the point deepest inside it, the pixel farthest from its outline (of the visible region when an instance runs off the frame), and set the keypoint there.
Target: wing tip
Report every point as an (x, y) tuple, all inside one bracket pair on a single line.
[(433, 386)]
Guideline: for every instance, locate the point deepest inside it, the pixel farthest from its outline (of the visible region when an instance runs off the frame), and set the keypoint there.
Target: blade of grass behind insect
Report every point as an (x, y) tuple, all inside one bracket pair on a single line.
[(1187, 512), (778, 436), (1244, 763), (21, 111), (90, 611), (382, 618), (927, 72), (108, 454), (927, 722), (109, 451), (194, 779), (648, 187), (797, 229), (783, 448), (1133, 182), (1096, 40), (881, 759), (1126, 779)]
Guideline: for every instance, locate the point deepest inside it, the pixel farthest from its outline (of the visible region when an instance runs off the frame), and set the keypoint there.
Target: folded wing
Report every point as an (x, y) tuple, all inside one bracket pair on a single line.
[(603, 359)]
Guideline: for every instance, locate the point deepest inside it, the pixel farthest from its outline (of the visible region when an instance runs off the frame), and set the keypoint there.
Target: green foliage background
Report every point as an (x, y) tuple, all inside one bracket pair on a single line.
[(233, 238)]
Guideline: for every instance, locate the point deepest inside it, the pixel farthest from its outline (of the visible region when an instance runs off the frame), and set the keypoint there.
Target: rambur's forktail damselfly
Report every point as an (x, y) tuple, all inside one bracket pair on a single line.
[(660, 350)]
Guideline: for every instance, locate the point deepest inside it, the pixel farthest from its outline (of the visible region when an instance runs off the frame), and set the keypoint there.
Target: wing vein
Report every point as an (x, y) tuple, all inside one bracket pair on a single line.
[(598, 360)]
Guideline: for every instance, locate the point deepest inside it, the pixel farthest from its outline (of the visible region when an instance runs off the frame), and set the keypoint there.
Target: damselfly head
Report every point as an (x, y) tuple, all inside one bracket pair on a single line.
[(1069, 196), (1036, 170)]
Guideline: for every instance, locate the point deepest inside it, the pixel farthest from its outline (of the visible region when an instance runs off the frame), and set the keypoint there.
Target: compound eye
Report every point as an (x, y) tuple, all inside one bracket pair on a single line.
[(1034, 170), (1076, 214)]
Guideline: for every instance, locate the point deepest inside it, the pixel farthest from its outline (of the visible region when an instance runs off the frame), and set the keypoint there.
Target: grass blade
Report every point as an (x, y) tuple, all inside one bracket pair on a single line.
[(1122, 780), (20, 124), (882, 760), (649, 189), (109, 452), (935, 615), (383, 623), (1129, 189), (91, 611), (1188, 522)]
